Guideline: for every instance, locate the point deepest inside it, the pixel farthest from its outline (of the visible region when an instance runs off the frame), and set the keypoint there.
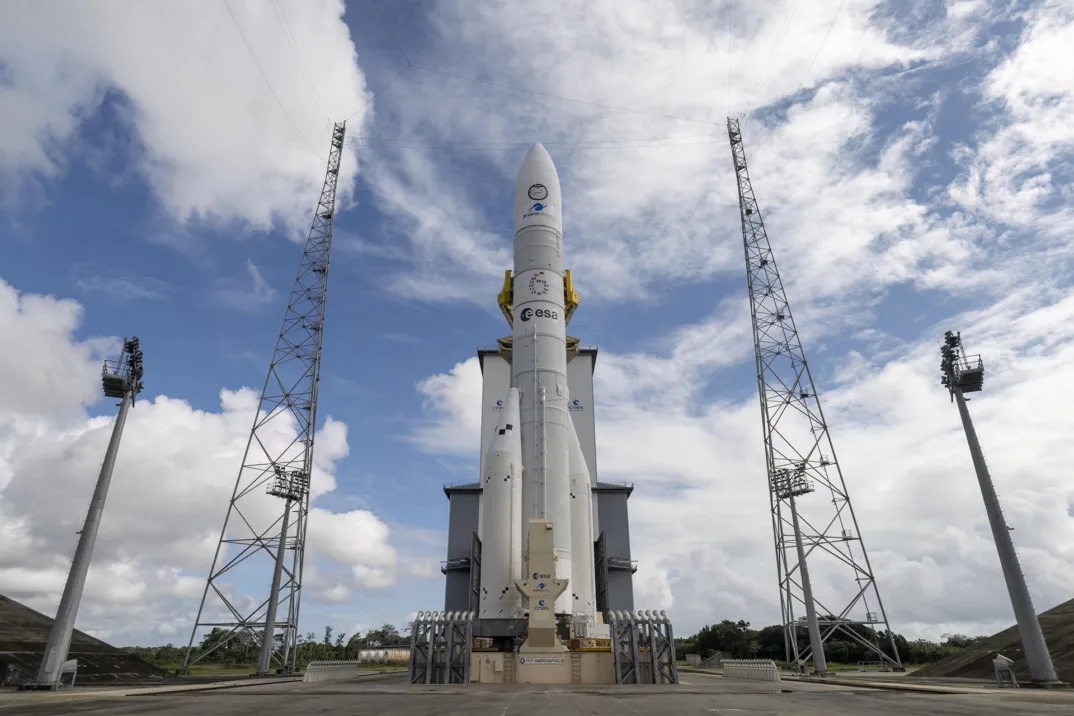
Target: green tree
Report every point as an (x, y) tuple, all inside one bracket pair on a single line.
[(733, 639)]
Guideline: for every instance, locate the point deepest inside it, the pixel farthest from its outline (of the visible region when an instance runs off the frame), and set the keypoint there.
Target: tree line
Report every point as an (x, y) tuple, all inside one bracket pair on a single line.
[(736, 640), (243, 647)]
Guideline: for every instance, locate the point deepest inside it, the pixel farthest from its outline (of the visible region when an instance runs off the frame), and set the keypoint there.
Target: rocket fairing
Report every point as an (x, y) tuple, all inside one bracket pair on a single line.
[(539, 360), (502, 528)]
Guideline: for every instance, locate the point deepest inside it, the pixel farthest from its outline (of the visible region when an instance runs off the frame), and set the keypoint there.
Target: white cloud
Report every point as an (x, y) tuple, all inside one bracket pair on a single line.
[(1020, 172), (455, 416), (639, 209), (210, 139), (171, 484), (258, 293)]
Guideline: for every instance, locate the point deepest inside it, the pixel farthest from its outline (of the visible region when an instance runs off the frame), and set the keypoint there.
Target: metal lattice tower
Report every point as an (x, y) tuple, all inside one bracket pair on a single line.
[(264, 533), (814, 535)]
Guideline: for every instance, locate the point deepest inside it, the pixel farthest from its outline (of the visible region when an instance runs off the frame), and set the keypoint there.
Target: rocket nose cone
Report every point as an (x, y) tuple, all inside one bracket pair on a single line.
[(538, 153), (537, 163), (537, 191)]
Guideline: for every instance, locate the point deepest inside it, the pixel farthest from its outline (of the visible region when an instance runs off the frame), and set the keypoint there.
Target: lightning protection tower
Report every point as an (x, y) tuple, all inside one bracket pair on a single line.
[(264, 535), (815, 537), (965, 374)]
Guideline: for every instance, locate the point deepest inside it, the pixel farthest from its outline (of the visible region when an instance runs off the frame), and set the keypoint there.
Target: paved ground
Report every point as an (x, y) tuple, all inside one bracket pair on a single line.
[(700, 694)]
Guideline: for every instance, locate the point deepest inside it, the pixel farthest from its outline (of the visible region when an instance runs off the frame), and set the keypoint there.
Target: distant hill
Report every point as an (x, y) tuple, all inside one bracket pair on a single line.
[(24, 635), (975, 662)]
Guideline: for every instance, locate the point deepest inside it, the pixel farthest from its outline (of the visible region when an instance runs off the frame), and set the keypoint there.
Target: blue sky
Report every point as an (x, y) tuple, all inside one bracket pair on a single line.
[(917, 177)]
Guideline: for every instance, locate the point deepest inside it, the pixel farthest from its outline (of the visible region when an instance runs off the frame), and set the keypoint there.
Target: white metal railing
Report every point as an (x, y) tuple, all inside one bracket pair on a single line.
[(873, 666), (329, 670), (752, 669)]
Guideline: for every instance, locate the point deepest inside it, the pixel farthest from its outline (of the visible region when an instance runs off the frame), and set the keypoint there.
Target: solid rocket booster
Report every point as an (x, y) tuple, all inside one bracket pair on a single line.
[(501, 543), (539, 362), (583, 570)]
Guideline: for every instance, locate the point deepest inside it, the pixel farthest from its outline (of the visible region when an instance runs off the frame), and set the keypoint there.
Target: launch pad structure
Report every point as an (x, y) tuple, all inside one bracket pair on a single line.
[(539, 576)]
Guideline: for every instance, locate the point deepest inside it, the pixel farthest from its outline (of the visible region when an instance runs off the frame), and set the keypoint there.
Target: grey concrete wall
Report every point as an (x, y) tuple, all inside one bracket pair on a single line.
[(612, 502), (462, 523)]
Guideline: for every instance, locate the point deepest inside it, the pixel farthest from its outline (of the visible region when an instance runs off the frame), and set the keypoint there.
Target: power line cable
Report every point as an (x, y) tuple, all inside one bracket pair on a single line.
[(297, 53), (391, 29), (373, 96), (360, 138), (505, 147), (809, 69), (566, 99), (776, 42), (267, 83)]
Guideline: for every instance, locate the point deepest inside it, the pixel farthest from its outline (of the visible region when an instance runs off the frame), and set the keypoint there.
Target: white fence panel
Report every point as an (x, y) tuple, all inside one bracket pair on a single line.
[(329, 670), (752, 669)]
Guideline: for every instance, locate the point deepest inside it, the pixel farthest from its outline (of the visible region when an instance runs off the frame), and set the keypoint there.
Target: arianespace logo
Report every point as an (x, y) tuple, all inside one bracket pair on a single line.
[(537, 208), (575, 405), (498, 405)]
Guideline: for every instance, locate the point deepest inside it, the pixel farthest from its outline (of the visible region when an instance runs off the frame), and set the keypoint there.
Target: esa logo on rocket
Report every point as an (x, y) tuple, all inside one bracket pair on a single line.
[(527, 313)]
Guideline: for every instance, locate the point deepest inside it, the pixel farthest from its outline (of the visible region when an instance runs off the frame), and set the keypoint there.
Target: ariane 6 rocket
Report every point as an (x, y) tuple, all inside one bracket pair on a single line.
[(534, 467)]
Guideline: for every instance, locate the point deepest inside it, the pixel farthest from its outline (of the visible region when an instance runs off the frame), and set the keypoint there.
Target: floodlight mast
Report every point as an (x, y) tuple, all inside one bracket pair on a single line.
[(121, 378), (965, 374), (799, 456)]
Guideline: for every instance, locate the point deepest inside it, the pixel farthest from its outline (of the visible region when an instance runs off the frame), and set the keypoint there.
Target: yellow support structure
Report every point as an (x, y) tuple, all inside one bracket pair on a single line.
[(506, 298), (571, 299)]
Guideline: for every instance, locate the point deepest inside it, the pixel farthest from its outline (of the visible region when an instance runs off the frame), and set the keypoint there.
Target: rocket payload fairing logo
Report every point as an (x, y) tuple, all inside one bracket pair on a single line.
[(538, 192), (538, 284)]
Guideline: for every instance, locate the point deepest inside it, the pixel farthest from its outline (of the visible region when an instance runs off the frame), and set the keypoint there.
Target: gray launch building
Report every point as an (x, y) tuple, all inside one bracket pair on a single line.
[(614, 566)]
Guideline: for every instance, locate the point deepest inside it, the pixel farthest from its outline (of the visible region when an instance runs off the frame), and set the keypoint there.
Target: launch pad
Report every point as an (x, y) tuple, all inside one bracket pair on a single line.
[(539, 576)]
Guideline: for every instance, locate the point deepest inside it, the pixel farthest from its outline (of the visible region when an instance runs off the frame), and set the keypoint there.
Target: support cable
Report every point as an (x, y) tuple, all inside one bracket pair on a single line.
[(783, 118), (565, 99), (303, 69), (267, 83)]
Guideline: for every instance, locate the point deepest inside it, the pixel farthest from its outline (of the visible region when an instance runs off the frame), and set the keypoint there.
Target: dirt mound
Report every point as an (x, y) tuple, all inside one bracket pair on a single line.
[(975, 662), (24, 635)]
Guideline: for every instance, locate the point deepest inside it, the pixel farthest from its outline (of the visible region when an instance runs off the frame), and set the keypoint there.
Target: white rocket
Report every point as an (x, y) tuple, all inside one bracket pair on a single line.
[(555, 482)]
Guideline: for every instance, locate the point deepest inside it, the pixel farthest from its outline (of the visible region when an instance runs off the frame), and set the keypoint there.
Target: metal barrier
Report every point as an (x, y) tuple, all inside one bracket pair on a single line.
[(643, 647), (1004, 669), (329, 670), (440, 648), (752, 669), (873, 666)]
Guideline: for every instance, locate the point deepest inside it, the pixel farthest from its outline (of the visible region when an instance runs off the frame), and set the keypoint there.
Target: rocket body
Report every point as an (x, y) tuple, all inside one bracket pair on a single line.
[(539, 360), (501, 489)]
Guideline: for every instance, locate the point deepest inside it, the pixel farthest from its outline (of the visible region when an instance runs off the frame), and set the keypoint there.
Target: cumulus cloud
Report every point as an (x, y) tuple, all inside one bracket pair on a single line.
[(171, 484), (208, 136), (1019, 174), (643, 153)]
